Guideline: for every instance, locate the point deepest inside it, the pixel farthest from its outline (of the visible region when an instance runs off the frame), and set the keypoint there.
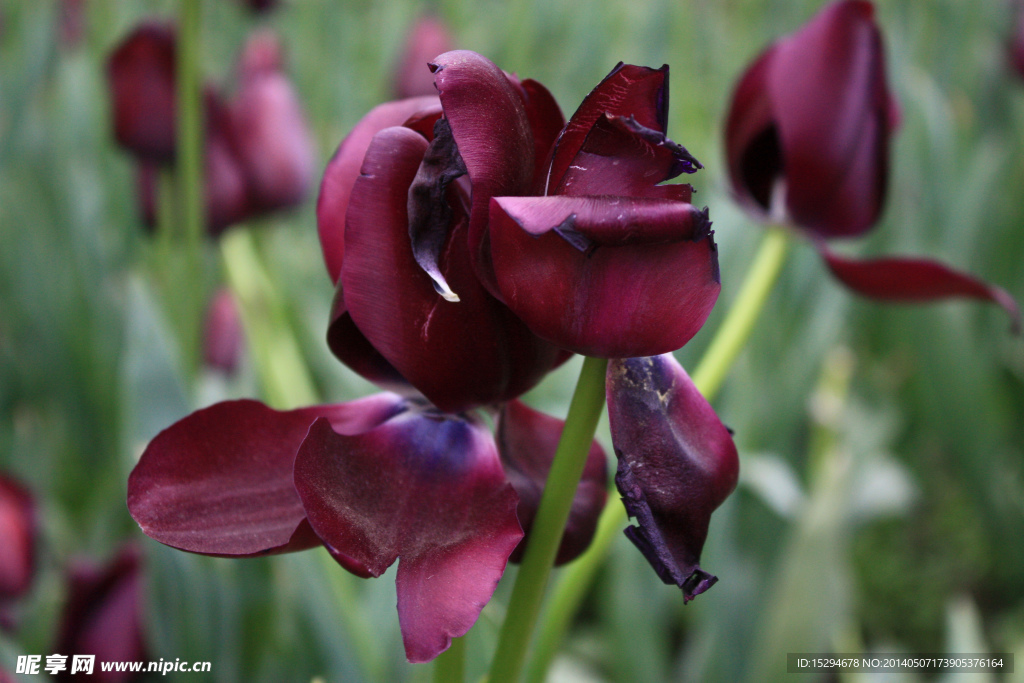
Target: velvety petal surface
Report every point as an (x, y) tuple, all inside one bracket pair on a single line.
[(141, 74), (832, 108), (219, 481), (612, 277), (622, 157), (458, 354), (677, 463), (546, 122), (915, 280), (274, 143), (428, 490), (527, 440), (17, 538), (343, 169), (103, 616), (628, 91), (352, 348)]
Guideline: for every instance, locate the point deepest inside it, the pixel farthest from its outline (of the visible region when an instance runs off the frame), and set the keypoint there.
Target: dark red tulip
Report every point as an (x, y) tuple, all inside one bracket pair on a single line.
[(807, 143), (609, 262), (677, 463), (374, 480), (103, 616), (527, 440), (223, 338), (141, 72), (18, 540), (427, 38)]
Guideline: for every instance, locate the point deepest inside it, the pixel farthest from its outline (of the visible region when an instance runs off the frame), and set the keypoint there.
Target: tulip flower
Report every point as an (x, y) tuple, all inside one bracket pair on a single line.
[(677, 464), (258, 155), (103, 615), (807, 143), (18, 539), (223, 337), (427, 38), (1015, 48)]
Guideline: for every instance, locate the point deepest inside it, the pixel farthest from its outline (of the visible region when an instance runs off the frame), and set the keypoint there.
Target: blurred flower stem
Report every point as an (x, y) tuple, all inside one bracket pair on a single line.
[(450, 666), (730, 339), (190, 122), (566, 470)]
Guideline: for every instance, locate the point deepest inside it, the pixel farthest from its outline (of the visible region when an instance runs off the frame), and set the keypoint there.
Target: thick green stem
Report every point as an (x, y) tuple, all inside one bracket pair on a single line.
[(729, 340), (279, 363), (190, 121), (546, 532), (450, 666)]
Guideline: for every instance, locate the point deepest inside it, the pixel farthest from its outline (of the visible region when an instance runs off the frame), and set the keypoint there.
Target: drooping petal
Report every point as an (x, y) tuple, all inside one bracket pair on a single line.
[(219, 482), (677, 463), (527, 440), (274, 143), (428, 490), (103, 616), (622, 157), (606, 276), (343, 169), (491, 127), (628, 91), (141, 74), (914, 280), (427, 38), (17, 538), (832, 108), (458, 354)]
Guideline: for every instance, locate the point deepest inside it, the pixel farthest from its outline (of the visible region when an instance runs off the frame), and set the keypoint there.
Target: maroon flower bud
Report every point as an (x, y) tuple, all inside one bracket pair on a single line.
[(223, 339), (1015, 49), (103, 615), (677, 463), (527, 441), (261, 6), (807, 143), (141, 73), (18, 540), (427, 38)]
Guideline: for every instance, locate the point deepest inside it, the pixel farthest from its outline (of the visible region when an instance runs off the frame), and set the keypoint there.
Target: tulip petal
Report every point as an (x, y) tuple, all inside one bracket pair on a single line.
[(394, 303), (17, 538), (219, 482), (622, 157), (343, 169), (643, 283), (546, 122), (628, 91), (677, 463), (491, 127), (428, 490), (832, 108), (141, 73), (915, 280), (352, 348), (527, 441)]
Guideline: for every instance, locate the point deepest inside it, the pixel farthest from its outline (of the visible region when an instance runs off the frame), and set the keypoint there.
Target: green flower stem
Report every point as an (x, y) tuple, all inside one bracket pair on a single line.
[(279, 363), (190, 121), (729, 340), (552, 514), (450, 666)]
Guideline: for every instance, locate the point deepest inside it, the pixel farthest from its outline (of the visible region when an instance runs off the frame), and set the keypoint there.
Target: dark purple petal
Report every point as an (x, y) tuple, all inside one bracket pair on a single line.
[(677, 463), (606, 276), (227, 191), (458, 354), (223, 339), (621, 157), (141, 77), (527, 441), (17, 538), (352, 348), (546, 122), (752, 139), (832, 109), (274, 144), (428, 490), (427, 38), (915, 280), (103, 616), (343, 169), (219, 482), (628, 91), (492, 130)]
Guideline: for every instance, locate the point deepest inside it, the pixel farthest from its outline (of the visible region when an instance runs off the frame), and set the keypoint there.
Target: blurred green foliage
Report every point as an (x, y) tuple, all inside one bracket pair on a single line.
[(928, 512)]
